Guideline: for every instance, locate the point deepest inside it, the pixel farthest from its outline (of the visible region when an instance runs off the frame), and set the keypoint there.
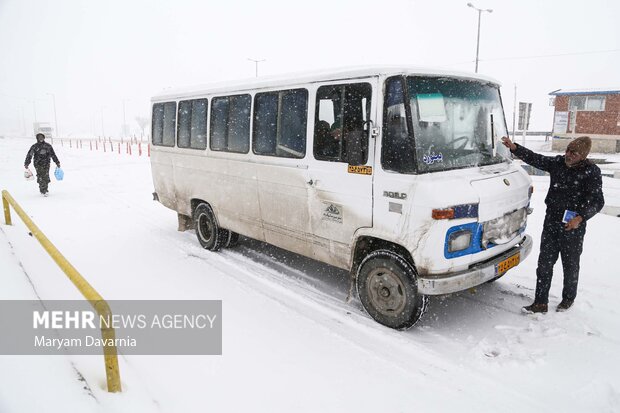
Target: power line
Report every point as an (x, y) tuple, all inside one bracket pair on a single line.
[(552, 55), (540, 56), (18, 97)]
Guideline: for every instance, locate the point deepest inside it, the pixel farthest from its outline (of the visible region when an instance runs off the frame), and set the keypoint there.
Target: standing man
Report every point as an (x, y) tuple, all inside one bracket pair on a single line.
[(575, 195), (42, 152)]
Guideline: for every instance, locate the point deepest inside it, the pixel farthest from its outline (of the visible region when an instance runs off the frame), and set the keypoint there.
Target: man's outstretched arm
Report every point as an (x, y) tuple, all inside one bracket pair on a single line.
[(536, 160)]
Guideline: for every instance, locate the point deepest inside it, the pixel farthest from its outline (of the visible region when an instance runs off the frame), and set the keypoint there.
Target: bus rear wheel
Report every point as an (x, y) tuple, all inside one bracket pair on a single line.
[(387, 287), (232, 239), (208, 232)]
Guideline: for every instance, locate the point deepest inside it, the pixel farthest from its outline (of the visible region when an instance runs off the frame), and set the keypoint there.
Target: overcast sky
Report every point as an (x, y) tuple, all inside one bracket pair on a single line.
[(95, 55)]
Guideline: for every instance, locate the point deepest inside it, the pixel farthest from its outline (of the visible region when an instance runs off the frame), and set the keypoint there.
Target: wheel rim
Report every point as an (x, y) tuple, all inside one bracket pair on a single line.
[(205, 228), (386, 291)]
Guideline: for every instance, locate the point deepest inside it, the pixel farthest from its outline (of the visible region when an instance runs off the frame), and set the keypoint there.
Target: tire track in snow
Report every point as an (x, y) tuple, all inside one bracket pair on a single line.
[(349, 324)]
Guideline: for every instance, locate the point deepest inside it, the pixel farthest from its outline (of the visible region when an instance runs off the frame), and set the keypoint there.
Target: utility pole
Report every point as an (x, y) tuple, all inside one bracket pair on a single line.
[(526, 117), (478, 38), (55, 118), (514, 114), (256, 62)]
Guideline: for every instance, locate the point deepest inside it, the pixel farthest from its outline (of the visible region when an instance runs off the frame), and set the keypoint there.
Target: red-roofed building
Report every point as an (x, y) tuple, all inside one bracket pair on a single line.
[(591, 112)]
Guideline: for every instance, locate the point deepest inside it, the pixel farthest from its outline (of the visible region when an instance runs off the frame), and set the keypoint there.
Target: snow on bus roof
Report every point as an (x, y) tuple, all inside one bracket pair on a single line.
[(309, 77)]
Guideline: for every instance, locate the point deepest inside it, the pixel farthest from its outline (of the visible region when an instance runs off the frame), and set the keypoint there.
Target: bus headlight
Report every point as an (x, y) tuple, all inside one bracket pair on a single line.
[(459, 240)]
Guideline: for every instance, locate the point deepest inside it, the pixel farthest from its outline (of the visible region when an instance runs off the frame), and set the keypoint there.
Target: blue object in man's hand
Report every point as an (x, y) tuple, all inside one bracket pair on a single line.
[(568, 215), (59, 174)]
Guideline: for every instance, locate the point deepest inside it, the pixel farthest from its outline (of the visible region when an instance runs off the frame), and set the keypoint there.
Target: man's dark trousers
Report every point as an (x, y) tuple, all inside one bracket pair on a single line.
[(557, 241), (43, 176)]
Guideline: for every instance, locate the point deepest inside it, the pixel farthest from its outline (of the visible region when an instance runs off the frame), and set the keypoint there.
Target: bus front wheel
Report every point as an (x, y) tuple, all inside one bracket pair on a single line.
[(387, 287)]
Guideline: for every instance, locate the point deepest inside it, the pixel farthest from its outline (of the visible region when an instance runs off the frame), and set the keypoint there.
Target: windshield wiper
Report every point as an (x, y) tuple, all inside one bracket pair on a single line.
[(492, 135)]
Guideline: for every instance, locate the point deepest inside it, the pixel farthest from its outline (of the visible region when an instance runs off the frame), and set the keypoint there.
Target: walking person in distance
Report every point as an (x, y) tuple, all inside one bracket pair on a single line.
[(40, 153)]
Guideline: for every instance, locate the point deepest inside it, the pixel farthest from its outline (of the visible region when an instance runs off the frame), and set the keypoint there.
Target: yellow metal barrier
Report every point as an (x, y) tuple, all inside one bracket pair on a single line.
[(98, 303)]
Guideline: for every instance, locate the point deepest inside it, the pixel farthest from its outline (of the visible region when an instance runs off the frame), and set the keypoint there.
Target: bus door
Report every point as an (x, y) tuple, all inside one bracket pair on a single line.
[(280, 141), (340, 195)]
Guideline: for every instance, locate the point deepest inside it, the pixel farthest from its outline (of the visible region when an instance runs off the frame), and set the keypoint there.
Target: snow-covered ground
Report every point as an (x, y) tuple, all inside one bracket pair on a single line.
[(291, 342)]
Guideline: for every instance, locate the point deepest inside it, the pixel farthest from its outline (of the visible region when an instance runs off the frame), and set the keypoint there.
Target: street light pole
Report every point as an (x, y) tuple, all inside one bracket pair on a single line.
[(55, 118), (478, 38), (256, 62), (514, 114)]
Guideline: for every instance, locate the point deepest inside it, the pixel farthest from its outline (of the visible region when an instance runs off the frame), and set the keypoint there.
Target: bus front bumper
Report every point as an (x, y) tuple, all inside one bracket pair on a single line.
[(476, 275)]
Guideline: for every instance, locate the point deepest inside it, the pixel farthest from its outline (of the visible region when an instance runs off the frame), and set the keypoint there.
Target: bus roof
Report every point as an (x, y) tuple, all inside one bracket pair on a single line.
[(309, 77)]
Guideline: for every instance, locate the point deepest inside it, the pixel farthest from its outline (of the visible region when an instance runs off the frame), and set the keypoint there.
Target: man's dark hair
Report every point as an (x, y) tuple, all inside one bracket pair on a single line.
[(40, 135)]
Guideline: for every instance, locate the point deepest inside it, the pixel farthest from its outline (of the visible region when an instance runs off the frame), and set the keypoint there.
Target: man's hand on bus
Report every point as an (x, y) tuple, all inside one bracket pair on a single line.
[(508, 143)]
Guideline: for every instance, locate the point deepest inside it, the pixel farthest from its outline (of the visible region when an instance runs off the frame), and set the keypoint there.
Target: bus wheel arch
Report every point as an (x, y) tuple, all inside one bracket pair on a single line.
[(365, 245)]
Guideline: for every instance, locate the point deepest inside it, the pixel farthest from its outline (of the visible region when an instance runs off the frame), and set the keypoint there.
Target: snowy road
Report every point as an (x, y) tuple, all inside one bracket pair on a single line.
[(291, 341)]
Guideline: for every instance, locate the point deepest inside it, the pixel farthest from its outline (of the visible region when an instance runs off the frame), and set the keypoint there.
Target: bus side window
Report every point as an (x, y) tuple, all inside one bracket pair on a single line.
[(170, 116), (239, 124), (192, 124), (325, 145), (293, 115), (219, 123), (356, 112), (184, 124), (230, 123), (280, 123), (158, 124), (397, 151), (345, 108), (265, 123), (198, 137), (326, 141)]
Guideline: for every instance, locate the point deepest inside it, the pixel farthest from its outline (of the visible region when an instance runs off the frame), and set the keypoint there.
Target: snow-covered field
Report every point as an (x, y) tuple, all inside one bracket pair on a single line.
[(291, 342)]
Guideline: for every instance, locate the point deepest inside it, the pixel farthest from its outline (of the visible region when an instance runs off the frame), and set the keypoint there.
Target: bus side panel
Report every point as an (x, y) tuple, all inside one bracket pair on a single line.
[(187, 177), (163, 178), (283, 197), (230, 187)]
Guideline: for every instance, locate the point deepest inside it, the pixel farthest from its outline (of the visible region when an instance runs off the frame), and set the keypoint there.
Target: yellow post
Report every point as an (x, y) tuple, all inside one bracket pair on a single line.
[(7, 211), (109, 352), (98, 303)]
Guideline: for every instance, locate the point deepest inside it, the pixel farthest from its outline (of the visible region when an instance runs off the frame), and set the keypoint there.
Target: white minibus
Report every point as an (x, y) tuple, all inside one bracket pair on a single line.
[(395, 174)]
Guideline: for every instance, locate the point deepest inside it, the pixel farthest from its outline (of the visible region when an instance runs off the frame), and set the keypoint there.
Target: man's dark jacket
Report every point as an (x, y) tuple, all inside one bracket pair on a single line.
[(578, 188), (41, 152)]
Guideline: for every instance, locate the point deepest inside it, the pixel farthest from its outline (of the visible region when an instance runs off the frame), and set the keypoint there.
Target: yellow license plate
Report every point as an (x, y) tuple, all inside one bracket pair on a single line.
[(507, 264)]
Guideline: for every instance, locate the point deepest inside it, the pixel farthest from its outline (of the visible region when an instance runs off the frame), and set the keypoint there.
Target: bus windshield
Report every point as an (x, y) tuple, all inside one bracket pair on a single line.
[(454, 122)]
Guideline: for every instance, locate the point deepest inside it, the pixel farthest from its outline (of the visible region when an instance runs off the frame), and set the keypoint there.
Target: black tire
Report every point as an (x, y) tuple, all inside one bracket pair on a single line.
[(232, 240), (387, 287), (208, 232)]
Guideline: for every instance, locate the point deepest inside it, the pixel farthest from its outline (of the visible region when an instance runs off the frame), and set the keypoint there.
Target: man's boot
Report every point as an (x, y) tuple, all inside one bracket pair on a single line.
[(564, 305), (535, 308)]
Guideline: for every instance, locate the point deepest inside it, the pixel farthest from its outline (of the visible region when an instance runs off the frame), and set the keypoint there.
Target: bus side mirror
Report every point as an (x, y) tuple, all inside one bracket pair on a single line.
[(355, 148)]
